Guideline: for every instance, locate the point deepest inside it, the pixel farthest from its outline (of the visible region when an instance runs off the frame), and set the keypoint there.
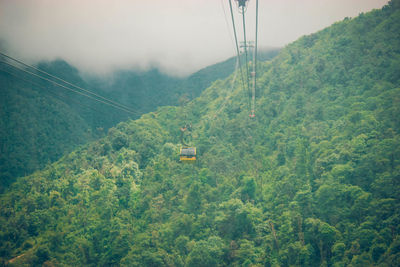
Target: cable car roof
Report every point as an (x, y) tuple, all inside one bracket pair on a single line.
[(187, 151)]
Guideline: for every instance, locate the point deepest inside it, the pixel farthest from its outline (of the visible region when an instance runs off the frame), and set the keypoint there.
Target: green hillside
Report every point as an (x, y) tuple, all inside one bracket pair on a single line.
[(313, 180), (36, 126), (40, 122)]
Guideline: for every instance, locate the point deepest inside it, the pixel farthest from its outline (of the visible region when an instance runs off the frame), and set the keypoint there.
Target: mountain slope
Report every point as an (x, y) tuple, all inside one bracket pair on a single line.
[(40, 121), (197, 82), (35, 127), (312, 181)]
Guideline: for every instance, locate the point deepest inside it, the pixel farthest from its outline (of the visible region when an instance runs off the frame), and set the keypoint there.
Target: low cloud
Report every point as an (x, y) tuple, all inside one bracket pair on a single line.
[(179, 37)]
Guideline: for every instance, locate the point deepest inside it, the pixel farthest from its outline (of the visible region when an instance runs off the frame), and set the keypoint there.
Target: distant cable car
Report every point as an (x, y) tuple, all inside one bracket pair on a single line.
[(187, 154)]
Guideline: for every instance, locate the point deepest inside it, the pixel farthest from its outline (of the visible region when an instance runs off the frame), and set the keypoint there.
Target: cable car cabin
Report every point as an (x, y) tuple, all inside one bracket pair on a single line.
[(188, 154)]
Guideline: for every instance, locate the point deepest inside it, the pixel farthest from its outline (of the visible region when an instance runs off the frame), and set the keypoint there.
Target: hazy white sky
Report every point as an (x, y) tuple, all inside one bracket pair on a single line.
[(178, 36)]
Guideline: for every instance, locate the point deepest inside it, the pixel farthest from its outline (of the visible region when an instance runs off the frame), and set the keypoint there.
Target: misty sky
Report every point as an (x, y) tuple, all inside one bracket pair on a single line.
[(178, 36)]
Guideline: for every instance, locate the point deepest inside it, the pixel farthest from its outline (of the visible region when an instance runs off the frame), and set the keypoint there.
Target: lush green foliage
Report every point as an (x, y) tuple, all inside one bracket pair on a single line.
[(39, 122), (312, 181), (36, 128)]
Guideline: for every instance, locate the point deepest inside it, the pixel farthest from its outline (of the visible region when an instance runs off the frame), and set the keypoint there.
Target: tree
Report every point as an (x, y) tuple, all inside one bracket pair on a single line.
[(206, 253)]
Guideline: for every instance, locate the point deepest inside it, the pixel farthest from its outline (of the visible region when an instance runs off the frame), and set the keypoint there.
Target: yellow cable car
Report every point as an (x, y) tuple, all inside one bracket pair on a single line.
[(187, 154)]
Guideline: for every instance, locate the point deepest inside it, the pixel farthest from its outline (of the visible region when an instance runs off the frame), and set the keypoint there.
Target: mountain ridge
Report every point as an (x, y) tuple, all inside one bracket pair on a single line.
[(76, 119), (311, 181)]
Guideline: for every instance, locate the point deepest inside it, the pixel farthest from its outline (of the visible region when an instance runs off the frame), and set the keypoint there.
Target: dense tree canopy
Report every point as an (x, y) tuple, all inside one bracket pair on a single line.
[(40, 121), (313, 180)]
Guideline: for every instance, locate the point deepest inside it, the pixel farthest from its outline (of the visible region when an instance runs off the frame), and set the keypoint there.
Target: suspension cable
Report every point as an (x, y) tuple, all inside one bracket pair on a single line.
[(227, 25), (237, 46), (245, 52), (254, 73), (66, 82), (227, 98), (58, 96), (75, 91)]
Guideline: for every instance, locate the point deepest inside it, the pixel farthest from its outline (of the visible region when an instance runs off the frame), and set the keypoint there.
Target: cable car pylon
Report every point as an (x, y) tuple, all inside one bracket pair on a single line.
[(251, 93), (254, 72)]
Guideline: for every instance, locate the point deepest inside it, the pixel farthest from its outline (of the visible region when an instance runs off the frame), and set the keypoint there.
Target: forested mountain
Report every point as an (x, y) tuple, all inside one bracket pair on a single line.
[(197, 82), (37, 124), (41, 121), (312, 180)]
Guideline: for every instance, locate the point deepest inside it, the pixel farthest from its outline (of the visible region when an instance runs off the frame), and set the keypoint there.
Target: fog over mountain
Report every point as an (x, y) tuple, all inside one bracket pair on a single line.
[(179, 37)]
